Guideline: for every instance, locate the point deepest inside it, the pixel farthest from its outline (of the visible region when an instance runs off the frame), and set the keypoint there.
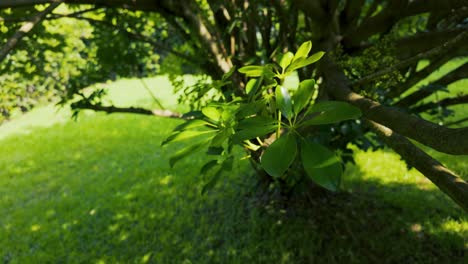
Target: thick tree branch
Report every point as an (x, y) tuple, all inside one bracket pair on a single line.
[(414, 44), (25, 29), (447, 140), (447, 181)]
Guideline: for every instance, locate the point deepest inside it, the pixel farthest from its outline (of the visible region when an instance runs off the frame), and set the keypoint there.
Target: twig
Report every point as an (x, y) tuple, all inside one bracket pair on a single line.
[(25, 29), (437, 50), (156, 100)]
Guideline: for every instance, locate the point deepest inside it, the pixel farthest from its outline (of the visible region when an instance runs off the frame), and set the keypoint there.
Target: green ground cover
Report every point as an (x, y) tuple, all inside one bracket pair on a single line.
[(100, 190)]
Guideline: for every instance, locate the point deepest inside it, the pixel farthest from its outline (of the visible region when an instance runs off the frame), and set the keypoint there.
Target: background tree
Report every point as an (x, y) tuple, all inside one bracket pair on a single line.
[(373, 52)]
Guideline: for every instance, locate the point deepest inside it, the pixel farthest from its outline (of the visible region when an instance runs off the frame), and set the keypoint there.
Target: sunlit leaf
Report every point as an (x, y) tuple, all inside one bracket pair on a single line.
[(302, 62), (252, 70), (329, 112), (212, 112), (284, 102), (303, 50), (185, 135), (286, 59), (302, 95)]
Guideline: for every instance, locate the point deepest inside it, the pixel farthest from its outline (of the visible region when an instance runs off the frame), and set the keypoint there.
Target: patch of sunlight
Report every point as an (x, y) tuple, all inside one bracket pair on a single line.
[(457, 227), (113, 228), (92, 212), (41, 117), (101, 261), (416, 228), (146, 258), (50, 213), (387, 167), (286, 257), (129, 196), (35, 228), (123, 236), (165, 180)]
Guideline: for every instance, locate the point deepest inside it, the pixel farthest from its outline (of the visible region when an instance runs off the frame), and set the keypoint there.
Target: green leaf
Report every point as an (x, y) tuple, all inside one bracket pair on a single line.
[(329, 112), (208, 167), (212, 182), (254, 127), (252, 70), (228, 74), (284, 102), (256, 121), (185, 152), (321, 165), (303, 94), (303, 50), (279, 155), (251, 108), (302, 62), (220, 137), (286, 59), (185, 135), (250, 85), (212, 112), (197, 123)]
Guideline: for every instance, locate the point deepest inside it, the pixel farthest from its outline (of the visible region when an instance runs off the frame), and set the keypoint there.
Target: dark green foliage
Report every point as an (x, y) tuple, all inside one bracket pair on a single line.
[(268, 112)]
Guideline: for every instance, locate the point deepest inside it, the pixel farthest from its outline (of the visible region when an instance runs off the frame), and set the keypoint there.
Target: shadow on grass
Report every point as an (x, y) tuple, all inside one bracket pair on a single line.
[(102, 192)]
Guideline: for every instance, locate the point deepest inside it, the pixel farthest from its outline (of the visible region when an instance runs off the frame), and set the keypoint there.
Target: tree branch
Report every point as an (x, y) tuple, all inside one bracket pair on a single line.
[(128, 110), (416, 77), (447, 181), (135, 36), (444, 103), (396, 10), (147, 5), (447, 140), (455, 75), (432, 52), (26, 28), (457, 122)]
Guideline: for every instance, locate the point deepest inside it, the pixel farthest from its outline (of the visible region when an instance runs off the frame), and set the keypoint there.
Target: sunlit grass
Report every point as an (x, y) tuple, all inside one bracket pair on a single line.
[(100, 190)]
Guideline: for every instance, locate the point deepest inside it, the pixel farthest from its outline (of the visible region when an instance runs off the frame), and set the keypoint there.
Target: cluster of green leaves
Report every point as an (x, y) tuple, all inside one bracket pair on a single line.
[(269, 120), (63, 55), (382, 52)]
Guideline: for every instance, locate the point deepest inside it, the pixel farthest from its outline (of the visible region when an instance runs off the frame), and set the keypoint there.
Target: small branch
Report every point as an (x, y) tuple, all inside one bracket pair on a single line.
[(128, 110), (455, 75), (447, 181), (25, 29), (416, 77), (151, 94), (134, 35), (432, 52), (444, 103), (457, 122)]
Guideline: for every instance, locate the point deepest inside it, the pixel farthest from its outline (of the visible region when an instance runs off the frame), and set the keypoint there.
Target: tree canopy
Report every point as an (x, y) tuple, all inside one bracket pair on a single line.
[(373, 56)]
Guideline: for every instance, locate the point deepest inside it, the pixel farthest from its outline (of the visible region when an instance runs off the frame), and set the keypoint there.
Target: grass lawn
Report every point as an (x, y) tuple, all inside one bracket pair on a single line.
[(100, 190)]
